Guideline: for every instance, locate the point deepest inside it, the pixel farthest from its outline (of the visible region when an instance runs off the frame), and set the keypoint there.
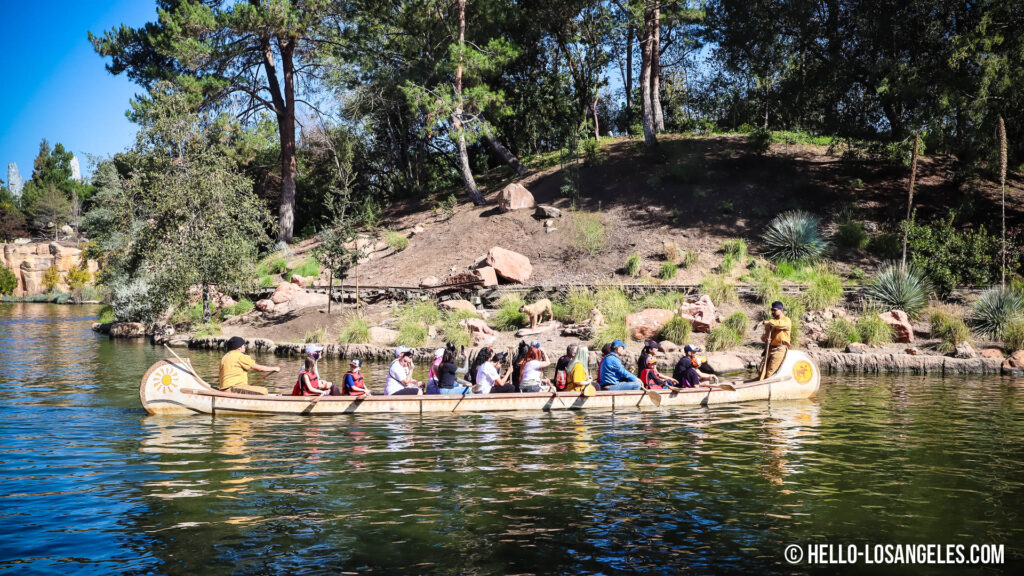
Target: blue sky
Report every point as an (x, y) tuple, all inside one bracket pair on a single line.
[(55, 86)]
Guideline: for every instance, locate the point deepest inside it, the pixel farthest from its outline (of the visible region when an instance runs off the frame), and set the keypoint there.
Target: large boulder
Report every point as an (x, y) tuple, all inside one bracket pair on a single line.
[(700, 312), (127, 330), (965, 350), (511, 266), (464, 305), (647, 324), (545, 212), (723, 362), (285, 292), (290, 297), (488, 275), (902, 329), (515, 197), (1014, 365), (383, 336)]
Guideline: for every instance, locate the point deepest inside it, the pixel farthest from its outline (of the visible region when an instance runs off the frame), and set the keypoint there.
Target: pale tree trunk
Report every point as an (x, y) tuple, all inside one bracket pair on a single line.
[(650, 138), (597, 125), (629, 78), (206, 302), (910, 198), (659, 118), (506, 156), (284, 105), (330, 289), (460, 134)]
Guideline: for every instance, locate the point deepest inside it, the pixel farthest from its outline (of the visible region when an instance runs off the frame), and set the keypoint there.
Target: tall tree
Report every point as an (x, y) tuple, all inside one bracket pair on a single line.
[(246, 56)]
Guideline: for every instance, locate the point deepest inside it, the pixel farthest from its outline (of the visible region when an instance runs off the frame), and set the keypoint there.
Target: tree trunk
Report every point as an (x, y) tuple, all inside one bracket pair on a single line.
[(330, 289), (659, 118), (629, 78), (284, 108), (650, 138), (206, 302), (597, 125), (460, 135), (506, 156), (910, 199)]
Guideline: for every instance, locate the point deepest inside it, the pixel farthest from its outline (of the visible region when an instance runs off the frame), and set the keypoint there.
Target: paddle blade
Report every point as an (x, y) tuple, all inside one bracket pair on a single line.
[(654, 397), (589, 391)]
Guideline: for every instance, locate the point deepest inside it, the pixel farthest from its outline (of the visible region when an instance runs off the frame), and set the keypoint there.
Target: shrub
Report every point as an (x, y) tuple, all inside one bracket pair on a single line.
[(823, 291), (872, 329), (615, 329), (794, 236), (995, 309), (78, 276), (272, 265), (445, 209), (411, 333), (211, 328), (632, 267), (677, 330), (886, 246), (1013, 336), (948, 328), (266, 281), (852, 235), (577, 305), (737, 248), (8, 281), (668, 270), (721, 338), (726, 265), (51, 278), (425, 312), (720, 291), (671, 251), (900, 287), (355, 330), (316, 336), (840, 333), (509, 317), (689, 259), (613, 303), (766, 284), (666, 300), (396, 240), (738, 322), (106, 315), (951, 258), (243, 306), (587, 231), (309, 267), (137, 300), (455, 333)]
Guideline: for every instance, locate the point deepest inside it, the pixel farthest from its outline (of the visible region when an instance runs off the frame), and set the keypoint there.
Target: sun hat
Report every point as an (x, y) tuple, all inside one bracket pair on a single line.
[(235, 342), (313, 349), (401, 350)]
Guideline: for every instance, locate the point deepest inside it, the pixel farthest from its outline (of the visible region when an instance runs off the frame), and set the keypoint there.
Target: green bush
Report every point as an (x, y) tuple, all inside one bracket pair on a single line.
[(666, 300), (1013, 336), (949, 329), (689, 259), (51, 278), (899, 287), (823, 291), (615, 329), (677, 330), (425, 312), (726, 265), (613, 303), (243, 306), (737, 248), (886, 246), (722, 338), (719, 290), (952, 258), (509, 317), (872, 329), (454, 333), (207, 329), (577, 305), (632, 267), (766, 284), (738, 322), (793, 236), (106, 315), (667, 271), (272, 265), (840, 333), (995, 310), (308, 267), (8, 281), (587, 231), (852, 235), (396, 241), (78, 276), (266, 281), (316, 336), (411, 333), (355, 330)]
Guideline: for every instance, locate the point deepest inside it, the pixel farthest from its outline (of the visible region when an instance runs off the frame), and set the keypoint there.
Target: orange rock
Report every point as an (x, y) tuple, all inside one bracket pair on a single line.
[(509, 265), (515, 197), (701, 313), (647, 324), (902, 329)]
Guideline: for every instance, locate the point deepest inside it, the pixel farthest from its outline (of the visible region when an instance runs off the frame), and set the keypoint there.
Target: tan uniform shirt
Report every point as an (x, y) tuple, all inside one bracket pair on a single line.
[(779, 330)]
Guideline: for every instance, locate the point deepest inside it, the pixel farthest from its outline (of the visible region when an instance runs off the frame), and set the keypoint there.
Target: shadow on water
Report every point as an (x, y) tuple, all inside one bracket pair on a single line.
[(89, 483)]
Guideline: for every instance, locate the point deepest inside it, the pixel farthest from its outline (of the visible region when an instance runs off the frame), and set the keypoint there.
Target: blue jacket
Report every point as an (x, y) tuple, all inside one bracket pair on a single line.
[(613, 372)]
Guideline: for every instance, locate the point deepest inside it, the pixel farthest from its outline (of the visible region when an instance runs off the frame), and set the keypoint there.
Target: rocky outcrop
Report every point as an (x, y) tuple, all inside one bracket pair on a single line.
[(127, 330), (700, 312), (509, 265), (515, 197), (29, 261), (290, 297), (647, 324), (878, 363), (488, 275), (1014, 365), (899, 322), (464, 305), (382, 335), (544, 211), (724, 363)]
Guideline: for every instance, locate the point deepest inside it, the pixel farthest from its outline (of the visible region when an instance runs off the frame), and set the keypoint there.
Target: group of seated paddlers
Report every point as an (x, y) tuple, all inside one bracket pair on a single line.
[(505, 372)]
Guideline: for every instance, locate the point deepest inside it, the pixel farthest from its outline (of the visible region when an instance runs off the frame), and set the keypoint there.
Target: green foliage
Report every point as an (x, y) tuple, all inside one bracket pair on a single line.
[(426, 312), (336, 250), (106, 315), (671, 252), (689, 259), (793, 236), (454, 333), (722, 338), (308, 267), (886, 246), (8, 281), (995, 309), (766, 284), (824, 290), (873, 330), (588, 231), (317, 335), (899, 287), (396, 240), (852, 235), (509, 317), (355, 330), (840, 333), (726, 207), (949, 329), (668, 271), (411, 333), (49, 209), (738, 322), (951, 257), (677, 330), (211, 328), (666, 300), (273, 264), (1013, 336), (718, 289), (577, 305), (51, 278), (78, 276), (591, 152), (736, 247), (615, 329), (445, 209), (632, 266), (242, 307)]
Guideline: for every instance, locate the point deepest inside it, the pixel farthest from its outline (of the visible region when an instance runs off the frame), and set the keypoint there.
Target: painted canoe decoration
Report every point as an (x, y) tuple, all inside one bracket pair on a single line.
[(171, 387)]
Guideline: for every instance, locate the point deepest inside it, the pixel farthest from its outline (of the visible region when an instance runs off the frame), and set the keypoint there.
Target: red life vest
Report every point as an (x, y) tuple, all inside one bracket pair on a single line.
[(358, 388), (300, 390), (647, 376)]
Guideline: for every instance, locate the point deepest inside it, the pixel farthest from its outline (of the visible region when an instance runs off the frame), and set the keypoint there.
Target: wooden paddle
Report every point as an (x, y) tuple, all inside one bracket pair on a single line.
[(764, 364), (188, 366)]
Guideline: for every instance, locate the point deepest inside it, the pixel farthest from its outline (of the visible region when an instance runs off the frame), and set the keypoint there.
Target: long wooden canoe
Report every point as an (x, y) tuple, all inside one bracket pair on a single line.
[(169, 387)]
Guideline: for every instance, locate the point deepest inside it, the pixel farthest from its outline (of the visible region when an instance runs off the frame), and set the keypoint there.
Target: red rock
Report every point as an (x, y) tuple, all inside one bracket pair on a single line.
[(701, 313), (911, 351), (1014, 365), (489, 275), (509, 265), (481, 339), (430, 282), (285, 292), (477, 325), (647, 324), (902, 329), (265, 305), (468, 279), (298, 280), (990, 353), (515, 197)]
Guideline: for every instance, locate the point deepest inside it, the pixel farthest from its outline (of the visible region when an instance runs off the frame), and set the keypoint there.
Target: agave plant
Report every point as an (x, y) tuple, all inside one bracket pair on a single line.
[(996, 309), (793, 236), (899, 286)]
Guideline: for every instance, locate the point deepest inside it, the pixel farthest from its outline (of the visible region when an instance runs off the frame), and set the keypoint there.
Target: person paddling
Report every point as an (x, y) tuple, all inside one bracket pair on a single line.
[(776, 337), (685, 372), (235, 366)]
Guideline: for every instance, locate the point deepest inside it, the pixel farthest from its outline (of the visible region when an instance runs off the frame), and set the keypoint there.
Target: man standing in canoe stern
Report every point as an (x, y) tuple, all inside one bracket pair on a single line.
[(777, 331), (234, 368)]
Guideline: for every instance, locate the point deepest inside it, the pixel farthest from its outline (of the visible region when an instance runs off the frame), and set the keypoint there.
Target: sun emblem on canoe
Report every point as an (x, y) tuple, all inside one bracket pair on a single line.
[(165, 379), (803, 372)]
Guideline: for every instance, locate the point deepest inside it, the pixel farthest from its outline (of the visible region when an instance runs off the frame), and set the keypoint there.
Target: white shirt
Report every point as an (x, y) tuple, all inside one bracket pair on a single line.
[(396, 375), (486, 374), (532, 371)]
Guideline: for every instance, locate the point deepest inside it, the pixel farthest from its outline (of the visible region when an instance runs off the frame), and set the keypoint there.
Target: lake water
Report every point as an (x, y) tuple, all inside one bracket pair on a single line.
[(89, 484)]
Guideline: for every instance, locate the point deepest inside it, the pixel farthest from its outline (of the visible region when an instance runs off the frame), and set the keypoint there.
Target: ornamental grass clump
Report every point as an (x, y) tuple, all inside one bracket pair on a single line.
[(767, 286), (1013, 336), (426, 312), (455, 333), (794, 237), (873, 330), (722, 338), (677, 330), (949, 329), (668, 271), (900, 287), (824, 290), (632, 266), (718, 289), (576, 306), (852, 235), (738, 322), (355, 331), (995, 310), (316, 336), (509, 317), (840, 333), (396, 240)]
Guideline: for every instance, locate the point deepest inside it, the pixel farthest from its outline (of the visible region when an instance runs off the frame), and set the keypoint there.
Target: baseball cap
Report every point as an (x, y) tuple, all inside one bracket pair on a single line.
[(313, 349), (691, 348), (356, 363), (617, 343), (235, 342), (401, 350), (778, 305)]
